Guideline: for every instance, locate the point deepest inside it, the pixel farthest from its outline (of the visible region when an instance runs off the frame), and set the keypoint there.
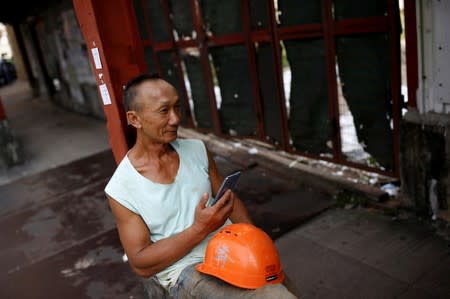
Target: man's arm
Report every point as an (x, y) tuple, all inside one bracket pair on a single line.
[(240, 213), (147, 258)]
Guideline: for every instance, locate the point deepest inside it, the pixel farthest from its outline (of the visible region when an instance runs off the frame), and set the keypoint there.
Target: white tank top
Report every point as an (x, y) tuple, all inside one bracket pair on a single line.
[(167, 209)]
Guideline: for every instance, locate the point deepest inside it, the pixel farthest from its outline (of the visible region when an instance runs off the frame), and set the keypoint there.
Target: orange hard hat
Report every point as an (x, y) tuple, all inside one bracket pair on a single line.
[(244, 256)]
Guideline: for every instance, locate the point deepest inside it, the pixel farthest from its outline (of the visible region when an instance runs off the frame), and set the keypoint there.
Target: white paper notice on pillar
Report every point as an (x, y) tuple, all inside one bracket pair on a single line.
[(104, 93), (96, 56)]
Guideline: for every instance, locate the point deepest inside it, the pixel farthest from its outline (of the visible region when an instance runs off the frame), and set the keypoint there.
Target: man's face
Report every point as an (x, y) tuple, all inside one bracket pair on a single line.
[(157, 114)]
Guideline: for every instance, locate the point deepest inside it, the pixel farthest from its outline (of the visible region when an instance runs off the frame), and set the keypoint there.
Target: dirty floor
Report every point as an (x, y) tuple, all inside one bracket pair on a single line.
[(58, 238)]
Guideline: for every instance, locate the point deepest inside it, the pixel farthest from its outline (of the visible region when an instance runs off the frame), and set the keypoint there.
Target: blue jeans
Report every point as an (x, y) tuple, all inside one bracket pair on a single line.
[(195, 285)]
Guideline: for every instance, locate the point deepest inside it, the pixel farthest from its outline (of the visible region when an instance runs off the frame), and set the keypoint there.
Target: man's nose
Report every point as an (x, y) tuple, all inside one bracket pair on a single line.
[(174, 117)]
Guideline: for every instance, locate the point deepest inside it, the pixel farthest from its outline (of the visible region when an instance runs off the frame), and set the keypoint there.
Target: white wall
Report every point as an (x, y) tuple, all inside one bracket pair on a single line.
[(433, 34)]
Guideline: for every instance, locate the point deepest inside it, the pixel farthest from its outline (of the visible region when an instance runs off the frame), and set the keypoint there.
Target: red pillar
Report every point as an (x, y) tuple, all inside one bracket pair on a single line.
[(2, 110), (411, 52), (110, 31)]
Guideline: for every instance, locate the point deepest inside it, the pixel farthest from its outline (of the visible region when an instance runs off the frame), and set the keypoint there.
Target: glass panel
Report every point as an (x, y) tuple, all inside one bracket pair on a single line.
[(196, 84), (158, 21), (268, 91), (148, 52), (258, 15), (347, 9), (364, 72), (222, 17), (140, 19), (308, 100), (169, 73), (293, 12), (237, 111), (182, 19)]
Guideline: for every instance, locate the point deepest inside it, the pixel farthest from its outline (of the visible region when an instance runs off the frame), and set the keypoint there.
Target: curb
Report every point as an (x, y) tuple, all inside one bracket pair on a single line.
[(322, 175)]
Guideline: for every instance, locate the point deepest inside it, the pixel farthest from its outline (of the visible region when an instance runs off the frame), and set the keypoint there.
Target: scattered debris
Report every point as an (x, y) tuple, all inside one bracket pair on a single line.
[(253, 151), (390, 189)]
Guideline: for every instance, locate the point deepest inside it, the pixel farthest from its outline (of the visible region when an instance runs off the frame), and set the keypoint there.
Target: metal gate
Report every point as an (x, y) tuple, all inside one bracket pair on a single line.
[(317, 78)]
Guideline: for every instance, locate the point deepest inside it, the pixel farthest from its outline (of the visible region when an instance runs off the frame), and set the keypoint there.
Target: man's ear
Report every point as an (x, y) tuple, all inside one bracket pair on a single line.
[(134, 119)]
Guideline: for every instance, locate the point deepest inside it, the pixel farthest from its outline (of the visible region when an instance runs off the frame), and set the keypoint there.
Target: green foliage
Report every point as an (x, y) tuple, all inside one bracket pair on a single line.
[(371, 161), (347, 198)]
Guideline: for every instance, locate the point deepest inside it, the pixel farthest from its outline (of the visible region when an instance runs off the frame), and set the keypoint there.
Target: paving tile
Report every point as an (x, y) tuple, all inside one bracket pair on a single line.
[(393, 247), (44, 229), (59, 238), (286, 210), (437, 280), (93, 269), (45, 186), (321, 272), (275, 203), (415, 293)]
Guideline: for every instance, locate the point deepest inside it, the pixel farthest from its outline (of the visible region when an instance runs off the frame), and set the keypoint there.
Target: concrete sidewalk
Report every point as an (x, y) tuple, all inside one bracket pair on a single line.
[(59, 238), (51, 136), (364, 254)]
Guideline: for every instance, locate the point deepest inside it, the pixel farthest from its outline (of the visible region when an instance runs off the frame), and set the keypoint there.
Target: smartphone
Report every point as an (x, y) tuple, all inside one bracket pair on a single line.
[(229, 183)]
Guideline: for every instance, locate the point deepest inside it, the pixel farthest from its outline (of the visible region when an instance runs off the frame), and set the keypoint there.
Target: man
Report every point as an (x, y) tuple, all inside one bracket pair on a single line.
[(7, 71), (158, 195)]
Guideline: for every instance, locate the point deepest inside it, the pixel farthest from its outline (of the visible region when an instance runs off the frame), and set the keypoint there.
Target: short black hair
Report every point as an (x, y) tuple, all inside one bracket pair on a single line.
[(130, 92)]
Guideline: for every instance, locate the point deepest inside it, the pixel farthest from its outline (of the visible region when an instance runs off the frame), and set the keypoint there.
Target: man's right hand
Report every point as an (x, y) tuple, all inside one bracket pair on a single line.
[(147, 258), (209, 219)]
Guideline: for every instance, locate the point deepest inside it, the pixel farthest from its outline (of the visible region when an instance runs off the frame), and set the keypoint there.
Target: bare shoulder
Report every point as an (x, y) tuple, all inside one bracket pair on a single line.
[(133, 231), (120, 212)]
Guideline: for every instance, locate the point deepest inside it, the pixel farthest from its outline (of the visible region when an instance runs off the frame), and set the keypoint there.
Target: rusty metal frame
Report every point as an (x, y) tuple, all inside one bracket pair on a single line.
[(362, 25), (352, 27), (411, 52), (178, 62), (245, 14), (2, 110), (150, 41), (275, 41), (394, 39), (202, 43), (328, 29), (333, 100)]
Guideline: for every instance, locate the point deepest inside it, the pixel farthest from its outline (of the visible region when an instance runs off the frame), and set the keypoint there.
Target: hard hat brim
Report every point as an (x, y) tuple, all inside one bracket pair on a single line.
[(242, 280)]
